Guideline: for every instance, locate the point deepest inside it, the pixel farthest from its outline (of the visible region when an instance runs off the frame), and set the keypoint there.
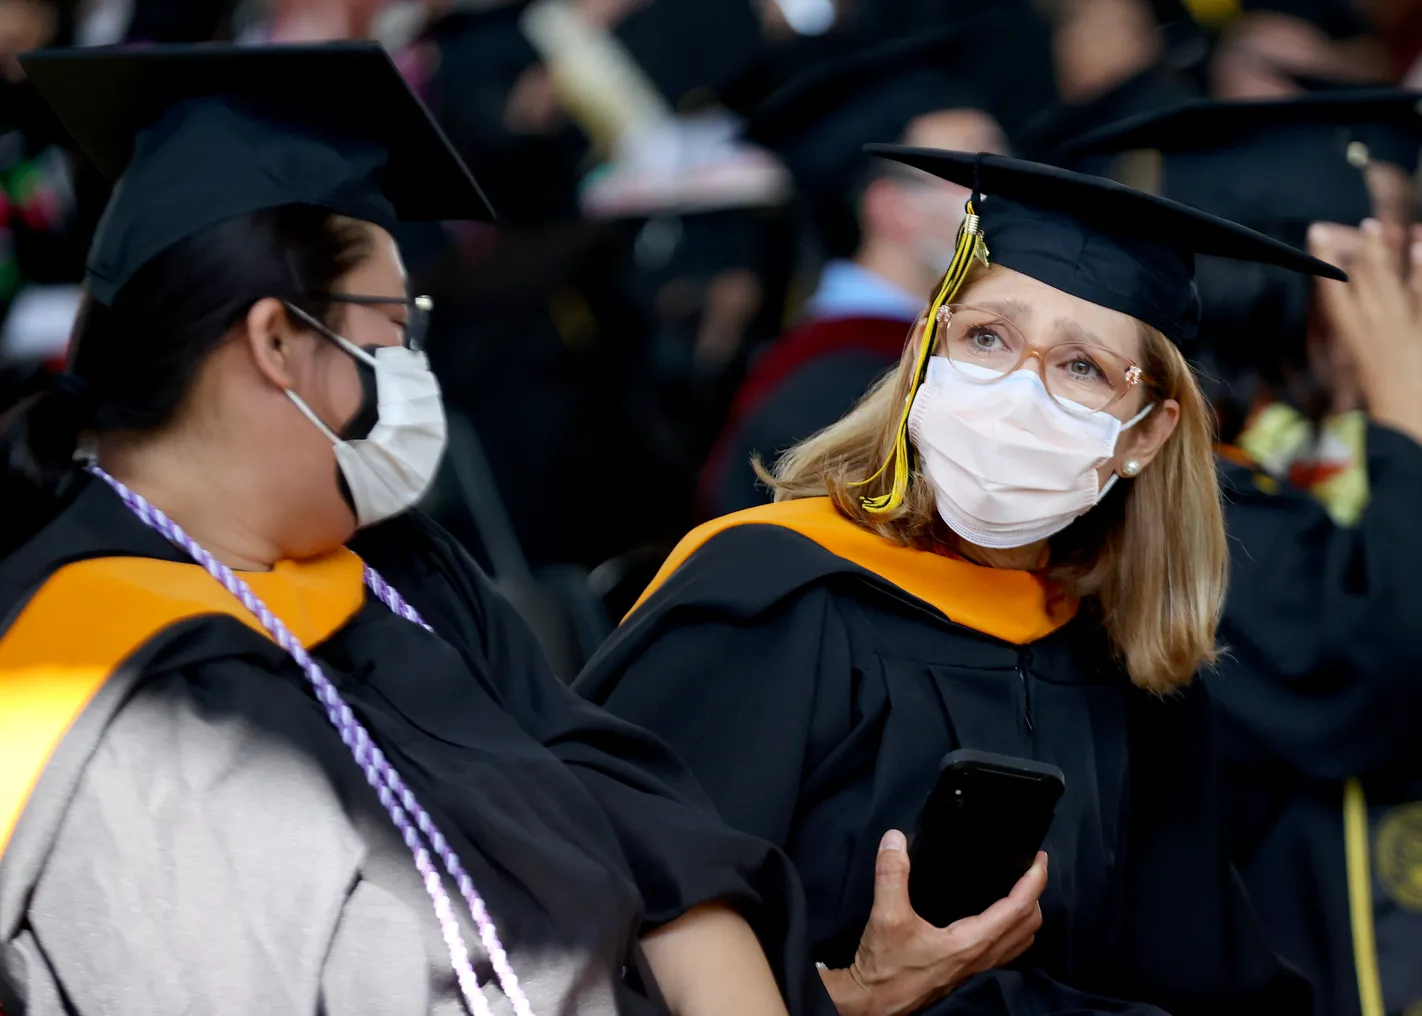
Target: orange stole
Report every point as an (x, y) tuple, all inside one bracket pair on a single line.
[(1015, 606), (90, 616)]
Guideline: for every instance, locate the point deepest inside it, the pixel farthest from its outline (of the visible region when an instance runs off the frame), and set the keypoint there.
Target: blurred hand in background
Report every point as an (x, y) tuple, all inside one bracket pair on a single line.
[(24, 25)]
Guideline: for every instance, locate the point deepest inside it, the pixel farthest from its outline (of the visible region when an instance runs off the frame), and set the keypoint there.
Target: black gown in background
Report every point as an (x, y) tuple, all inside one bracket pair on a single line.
[(1320, 699), (201, 840), (813, 675)]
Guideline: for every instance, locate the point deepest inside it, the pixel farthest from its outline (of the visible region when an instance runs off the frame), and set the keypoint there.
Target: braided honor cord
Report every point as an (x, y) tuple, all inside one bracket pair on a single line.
[(405, 811)]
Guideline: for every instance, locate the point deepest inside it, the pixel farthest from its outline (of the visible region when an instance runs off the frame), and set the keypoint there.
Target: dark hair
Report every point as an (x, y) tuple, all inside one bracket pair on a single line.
[(131, 364)]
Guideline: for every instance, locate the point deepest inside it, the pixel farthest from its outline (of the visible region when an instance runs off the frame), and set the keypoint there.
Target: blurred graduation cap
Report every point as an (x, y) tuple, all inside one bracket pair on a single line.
[(1273, 162), (197, 135), (1086, 236), (1398, 141), (1099, 240), (819, 121), (1048, 136)]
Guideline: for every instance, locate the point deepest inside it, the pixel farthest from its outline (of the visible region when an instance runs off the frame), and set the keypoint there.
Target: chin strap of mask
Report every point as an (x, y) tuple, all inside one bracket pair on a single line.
[(971, 247)]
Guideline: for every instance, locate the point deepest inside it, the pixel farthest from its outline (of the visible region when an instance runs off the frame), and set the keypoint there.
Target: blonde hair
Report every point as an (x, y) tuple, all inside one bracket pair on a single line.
[(1152, 555)]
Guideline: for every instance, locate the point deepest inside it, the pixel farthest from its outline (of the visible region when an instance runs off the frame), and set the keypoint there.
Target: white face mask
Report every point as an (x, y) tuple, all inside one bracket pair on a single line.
[(390, 469), (1009, 466)]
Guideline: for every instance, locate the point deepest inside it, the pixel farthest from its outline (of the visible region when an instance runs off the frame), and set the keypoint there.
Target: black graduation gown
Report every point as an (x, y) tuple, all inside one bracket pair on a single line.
[(201, 841), (813, 675), (808, 378), (1322, 686)]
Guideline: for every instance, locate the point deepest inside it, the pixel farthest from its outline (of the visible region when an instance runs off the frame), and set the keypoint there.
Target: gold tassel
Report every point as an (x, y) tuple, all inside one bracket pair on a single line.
[(971, 247)]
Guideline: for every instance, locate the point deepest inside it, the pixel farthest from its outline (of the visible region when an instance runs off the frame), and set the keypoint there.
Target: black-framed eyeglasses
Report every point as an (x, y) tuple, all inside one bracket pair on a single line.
[(417, 312)]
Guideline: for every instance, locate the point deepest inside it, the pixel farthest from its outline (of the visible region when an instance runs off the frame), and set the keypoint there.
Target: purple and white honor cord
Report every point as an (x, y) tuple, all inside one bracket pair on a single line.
[(410, 818)]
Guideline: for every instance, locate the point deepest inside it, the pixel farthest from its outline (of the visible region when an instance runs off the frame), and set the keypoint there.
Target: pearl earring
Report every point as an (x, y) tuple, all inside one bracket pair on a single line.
[(1130, 468)]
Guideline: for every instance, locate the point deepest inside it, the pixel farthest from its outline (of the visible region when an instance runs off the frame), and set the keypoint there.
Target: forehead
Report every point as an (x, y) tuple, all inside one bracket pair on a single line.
[(1043, 311), (382, 264)]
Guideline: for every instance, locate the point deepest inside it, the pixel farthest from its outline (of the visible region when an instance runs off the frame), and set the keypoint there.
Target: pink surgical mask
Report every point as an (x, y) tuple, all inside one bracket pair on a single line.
[(1009, 465)]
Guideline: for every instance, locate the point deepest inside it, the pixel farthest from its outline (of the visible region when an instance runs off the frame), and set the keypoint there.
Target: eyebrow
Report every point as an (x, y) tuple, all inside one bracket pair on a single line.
[(1018, 309), (1015, 309), (1076, 333)]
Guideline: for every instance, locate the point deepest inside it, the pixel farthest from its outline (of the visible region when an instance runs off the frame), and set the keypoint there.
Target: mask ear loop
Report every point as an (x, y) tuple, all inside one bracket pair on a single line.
[(1111, 480), (345, 345), (1138, 417), (310, 414), (971, 246)]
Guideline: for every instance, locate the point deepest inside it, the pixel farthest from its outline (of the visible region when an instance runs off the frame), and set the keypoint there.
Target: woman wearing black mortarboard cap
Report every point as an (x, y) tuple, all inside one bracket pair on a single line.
[(1013, 544), (268, 740)]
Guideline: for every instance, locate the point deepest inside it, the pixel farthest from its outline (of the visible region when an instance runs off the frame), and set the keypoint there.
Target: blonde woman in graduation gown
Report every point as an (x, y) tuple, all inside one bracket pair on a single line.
[(1013, 544)]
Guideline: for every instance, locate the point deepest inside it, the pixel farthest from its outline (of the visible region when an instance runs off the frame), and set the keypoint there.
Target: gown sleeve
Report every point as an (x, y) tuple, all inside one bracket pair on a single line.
[(1321, 621), (680, 853)]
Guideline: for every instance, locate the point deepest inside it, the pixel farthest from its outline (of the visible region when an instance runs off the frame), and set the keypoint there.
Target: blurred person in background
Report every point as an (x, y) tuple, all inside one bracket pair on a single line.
[(1113, 59), (246, 397), (1012, 545), (1344, 719), (881, 225), (1318, 389)]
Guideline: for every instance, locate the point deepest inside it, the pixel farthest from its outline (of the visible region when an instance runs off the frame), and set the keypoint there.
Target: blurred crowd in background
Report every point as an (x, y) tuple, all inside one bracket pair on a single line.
[(676, 181)]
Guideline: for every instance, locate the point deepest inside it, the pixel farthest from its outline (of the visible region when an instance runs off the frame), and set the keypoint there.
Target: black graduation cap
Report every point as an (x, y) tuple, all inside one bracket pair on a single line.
[(198, 134), (1276, 162), (819, 121), (1099, 240)]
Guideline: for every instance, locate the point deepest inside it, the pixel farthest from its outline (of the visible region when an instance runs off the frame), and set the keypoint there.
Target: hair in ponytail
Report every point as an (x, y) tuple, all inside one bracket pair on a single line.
[(132, 363)]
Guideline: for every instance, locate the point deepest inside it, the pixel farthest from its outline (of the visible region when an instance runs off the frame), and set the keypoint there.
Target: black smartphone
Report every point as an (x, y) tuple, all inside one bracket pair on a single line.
[(979, 832)]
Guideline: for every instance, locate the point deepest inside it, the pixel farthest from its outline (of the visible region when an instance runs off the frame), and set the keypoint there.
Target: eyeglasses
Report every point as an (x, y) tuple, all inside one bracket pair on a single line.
[(1082, 377), (417, 313)]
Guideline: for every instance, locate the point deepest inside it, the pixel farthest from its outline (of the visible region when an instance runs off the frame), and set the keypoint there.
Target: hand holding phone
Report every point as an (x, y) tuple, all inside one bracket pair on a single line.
[(979, 831), (904, 963)]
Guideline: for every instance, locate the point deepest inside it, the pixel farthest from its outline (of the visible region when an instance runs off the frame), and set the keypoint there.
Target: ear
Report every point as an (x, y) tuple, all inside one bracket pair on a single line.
[(1143, 442), (271, 337)]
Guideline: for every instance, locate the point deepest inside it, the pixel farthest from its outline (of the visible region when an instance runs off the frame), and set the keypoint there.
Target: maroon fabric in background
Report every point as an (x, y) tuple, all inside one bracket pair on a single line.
[(804, 342)]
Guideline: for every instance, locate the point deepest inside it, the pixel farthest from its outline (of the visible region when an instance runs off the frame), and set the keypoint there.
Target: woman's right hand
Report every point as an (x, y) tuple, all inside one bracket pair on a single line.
[(904, 963)]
